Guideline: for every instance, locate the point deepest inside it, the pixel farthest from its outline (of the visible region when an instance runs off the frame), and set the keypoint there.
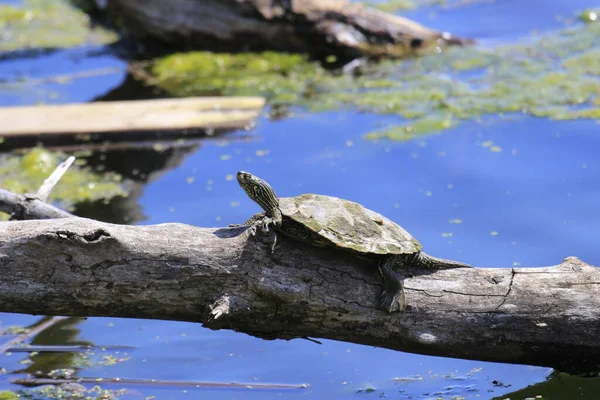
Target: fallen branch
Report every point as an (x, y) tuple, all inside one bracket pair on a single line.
[(33, 206), (28, 207), (321, 27), (80, 267)]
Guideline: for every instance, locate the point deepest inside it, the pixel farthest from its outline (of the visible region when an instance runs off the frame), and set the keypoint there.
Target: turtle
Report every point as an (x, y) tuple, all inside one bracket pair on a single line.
[(326, 221)]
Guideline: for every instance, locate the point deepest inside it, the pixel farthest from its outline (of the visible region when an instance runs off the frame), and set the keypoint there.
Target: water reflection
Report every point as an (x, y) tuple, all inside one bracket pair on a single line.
[(61, 332)]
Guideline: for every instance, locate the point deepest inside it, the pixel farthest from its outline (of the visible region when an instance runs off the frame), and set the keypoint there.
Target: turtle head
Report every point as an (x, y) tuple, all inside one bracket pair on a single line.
[(259, 191)]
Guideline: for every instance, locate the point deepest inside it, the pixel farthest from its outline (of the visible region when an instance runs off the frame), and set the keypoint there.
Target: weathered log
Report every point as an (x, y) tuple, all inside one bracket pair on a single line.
[(80, 267), (321, 27)]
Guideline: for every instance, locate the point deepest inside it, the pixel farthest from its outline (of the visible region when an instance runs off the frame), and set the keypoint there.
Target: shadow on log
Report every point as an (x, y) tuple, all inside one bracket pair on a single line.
[(79, 267), (318, 27)]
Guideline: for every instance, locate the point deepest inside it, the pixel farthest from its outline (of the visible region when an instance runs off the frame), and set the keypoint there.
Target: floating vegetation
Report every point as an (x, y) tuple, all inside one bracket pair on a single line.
[(554, 76), (5, 395), (70, 391), (42, 24), (25, 174), (589, 16), (92, 359), (418, 127), (277, 76), (13, 330)]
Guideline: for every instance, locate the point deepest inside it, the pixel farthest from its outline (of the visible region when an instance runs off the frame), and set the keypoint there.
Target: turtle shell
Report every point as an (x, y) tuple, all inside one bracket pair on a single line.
[(343, 224)]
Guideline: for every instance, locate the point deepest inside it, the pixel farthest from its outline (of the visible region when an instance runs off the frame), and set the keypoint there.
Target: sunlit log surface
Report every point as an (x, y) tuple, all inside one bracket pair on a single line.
[(79, 267), (314, 26)]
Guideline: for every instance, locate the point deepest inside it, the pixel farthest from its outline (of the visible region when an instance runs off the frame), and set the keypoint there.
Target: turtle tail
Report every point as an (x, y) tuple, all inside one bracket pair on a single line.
[(425, 260)]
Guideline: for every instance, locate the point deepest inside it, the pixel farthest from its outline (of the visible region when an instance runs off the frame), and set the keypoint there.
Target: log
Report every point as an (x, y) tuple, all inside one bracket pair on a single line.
[(119, 117), (226, 279), (318, 27)]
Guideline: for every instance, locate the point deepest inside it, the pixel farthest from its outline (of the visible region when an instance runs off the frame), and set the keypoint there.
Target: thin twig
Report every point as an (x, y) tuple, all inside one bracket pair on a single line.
[(53, 179), (65, 349), (154, 382)]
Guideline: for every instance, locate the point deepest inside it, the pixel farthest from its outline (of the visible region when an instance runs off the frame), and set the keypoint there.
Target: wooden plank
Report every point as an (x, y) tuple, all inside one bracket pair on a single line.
[(135, 116)]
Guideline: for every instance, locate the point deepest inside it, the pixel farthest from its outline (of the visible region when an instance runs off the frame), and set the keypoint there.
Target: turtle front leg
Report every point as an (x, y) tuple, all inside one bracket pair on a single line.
[(268, 234), (262, 226), (393, 297)]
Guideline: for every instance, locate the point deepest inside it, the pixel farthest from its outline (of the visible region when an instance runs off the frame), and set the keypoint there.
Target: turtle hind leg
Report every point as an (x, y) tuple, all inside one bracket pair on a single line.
[(393, 297)]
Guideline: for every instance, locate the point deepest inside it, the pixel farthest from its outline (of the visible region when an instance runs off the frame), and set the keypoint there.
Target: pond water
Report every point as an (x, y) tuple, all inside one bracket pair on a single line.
[(532, 204)]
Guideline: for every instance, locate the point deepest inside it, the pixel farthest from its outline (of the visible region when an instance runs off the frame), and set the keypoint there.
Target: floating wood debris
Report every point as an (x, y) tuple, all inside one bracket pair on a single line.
[(195, 113)]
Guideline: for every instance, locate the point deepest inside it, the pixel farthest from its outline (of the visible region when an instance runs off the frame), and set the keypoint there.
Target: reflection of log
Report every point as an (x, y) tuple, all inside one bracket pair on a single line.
[(115, 119), (80, 267), (320, 27)]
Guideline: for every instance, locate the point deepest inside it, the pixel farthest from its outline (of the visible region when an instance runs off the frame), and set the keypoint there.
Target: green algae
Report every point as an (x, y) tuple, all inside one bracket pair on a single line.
[(425, 125), (552, 76), (5, 395), (589, 16), (585, 63), (25, 174), (279, 77), (70, 391), (41, 24)]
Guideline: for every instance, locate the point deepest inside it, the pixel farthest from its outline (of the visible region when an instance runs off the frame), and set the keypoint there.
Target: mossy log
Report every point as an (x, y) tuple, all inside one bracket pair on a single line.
[(80, 267), (320, 27)]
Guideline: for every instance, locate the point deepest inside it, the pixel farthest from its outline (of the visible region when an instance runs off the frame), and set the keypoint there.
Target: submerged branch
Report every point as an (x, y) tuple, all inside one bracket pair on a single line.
[(127, 381)]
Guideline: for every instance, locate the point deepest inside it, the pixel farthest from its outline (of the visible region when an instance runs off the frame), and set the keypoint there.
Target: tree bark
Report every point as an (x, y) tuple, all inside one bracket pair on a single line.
[(227, 279), (320, 27)]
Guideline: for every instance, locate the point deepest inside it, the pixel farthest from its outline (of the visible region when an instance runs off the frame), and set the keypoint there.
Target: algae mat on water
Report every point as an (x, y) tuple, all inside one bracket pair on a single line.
[(556, 76), (25, 174), (43, 24)]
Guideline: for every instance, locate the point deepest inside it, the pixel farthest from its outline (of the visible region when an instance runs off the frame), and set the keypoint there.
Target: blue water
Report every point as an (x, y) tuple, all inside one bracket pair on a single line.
[(532, 204)]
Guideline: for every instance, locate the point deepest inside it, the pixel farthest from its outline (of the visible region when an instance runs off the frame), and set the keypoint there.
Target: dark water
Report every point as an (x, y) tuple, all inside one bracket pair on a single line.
[(533, 203)]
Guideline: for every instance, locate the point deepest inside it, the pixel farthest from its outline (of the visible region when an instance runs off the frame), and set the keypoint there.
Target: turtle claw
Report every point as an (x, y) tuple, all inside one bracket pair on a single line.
[(273, 242), (264, 225)]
